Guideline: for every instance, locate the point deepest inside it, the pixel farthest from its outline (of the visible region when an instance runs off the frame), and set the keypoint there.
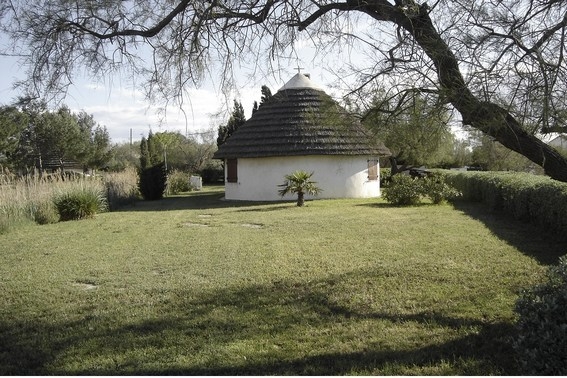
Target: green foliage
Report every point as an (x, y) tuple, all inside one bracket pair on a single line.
[(212, 174), (493, 156), (152, 182), (80, 203), (61, 136), (537, 199), (385, 177), (436, 188), (541, 343), (178, 182), (299, 182), (416, 130), (404, 190), (237, 119), (12, 124), (144, 153)]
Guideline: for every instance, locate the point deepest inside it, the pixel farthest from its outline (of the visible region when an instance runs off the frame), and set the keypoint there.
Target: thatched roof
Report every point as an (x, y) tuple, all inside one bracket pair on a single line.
[(300, 119)]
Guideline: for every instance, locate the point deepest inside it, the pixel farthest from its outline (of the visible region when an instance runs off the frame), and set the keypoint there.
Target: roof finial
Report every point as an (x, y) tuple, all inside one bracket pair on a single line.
[(299, 69)]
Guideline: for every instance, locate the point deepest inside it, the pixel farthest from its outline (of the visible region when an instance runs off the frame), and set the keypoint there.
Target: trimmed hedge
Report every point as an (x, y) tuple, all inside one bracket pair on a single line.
[(537, 199)]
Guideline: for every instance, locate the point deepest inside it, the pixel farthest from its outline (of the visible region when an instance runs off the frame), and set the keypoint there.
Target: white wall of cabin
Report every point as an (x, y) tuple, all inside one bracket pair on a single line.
[(338, 176)]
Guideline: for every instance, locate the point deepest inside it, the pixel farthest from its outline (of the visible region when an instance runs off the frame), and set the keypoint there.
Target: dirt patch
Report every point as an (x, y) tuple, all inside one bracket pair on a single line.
[(252, 225), (85, 285), (191, 224)]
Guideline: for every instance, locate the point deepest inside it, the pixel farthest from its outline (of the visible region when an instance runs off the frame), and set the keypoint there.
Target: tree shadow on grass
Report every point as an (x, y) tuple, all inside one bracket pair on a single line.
[(285, 328), (527, 238), (198, 200)]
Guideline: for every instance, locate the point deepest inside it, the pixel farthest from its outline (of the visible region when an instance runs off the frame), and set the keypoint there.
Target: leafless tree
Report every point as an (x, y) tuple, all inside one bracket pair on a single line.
[(499, 63)]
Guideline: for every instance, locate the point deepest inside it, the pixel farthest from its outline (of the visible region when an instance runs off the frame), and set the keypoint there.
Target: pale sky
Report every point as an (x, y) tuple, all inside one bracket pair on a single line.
[(121, 108)]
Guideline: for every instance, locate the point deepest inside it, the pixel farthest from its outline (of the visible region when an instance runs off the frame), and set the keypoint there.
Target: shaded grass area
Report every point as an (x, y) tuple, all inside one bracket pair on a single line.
[(195, 285)]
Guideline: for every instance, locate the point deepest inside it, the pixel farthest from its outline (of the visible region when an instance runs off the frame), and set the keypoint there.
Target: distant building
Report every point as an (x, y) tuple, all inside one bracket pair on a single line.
[(301, 128)]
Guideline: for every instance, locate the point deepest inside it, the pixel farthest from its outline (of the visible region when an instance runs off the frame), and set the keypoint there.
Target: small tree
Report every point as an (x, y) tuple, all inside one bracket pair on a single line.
[(237, 119), (299, 182)]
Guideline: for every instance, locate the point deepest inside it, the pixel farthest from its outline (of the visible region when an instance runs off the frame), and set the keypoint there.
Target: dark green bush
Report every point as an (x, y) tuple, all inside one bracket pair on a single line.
[(212, 175), (403, 190), (152, 182), (80, 203), (541, 344)]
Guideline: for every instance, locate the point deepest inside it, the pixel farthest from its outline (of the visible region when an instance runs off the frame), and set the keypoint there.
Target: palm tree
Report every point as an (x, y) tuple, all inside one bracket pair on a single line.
[(299, 182)]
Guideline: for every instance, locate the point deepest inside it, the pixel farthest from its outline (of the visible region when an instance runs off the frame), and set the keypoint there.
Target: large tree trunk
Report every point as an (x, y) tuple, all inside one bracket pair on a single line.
[(485, 116)]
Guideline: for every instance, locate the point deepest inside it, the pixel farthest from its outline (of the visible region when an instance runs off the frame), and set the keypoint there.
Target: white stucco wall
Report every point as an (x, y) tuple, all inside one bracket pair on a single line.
[(338, 176)]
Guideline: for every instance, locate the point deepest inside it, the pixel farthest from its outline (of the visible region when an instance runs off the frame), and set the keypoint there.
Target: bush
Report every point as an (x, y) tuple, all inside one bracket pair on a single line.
[(435, 188), (385, 177), (537, 199), (213, 175), (541, 343), (178, 182), (153, 182), (80, 203), (403, 190)]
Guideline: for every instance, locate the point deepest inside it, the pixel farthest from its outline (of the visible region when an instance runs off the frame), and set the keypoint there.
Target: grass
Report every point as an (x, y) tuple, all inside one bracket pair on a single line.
[(194, 285)]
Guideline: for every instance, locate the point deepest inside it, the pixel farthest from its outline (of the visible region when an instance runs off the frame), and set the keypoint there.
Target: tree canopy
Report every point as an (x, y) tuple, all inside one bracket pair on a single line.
[(33, 135), (500, 64)]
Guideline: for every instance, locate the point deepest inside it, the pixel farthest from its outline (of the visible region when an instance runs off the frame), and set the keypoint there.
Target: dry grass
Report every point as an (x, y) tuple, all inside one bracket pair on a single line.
[(30, 198)]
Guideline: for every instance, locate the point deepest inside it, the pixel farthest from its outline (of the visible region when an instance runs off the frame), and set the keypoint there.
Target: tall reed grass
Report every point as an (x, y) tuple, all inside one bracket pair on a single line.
[(32, 197), (121, 188)]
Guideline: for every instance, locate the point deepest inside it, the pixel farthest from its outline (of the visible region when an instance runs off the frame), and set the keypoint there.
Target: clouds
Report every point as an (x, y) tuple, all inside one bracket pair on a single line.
[(125, 111)]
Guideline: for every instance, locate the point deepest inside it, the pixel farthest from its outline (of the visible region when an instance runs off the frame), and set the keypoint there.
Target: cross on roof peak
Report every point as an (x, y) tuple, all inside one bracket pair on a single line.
[(299, 69)]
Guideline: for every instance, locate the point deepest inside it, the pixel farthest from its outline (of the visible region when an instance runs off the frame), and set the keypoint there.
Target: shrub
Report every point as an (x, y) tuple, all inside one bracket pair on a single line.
[(404, 190), (536, 199), (79, 203), (541, 343), (178, 182), (212, 175), (152, 182), (385, 177), (435, 188)]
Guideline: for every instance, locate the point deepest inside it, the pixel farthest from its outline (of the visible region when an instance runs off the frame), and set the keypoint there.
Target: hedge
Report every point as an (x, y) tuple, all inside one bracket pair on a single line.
[(537, 199)]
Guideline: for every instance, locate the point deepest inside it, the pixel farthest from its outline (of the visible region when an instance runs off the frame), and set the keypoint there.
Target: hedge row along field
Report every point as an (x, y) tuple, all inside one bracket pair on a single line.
[(537, 199)]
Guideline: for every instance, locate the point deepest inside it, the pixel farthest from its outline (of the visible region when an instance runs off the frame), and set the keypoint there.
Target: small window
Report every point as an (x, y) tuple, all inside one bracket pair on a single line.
[(231, 170), (373, 169)]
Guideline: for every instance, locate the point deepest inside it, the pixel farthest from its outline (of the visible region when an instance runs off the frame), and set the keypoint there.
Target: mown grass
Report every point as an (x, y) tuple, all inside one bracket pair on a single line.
[(194, 285)]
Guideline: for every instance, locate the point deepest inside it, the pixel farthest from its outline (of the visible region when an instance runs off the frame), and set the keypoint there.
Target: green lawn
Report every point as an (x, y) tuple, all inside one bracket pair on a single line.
[(194, 285)]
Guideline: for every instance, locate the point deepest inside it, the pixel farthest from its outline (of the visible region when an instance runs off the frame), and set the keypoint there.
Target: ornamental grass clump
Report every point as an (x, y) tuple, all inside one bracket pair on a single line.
[(81, 202)]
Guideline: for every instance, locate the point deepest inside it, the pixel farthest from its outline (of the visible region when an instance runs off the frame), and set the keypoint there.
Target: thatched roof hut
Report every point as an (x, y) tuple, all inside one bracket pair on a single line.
[(301, 127), (300, 119)]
